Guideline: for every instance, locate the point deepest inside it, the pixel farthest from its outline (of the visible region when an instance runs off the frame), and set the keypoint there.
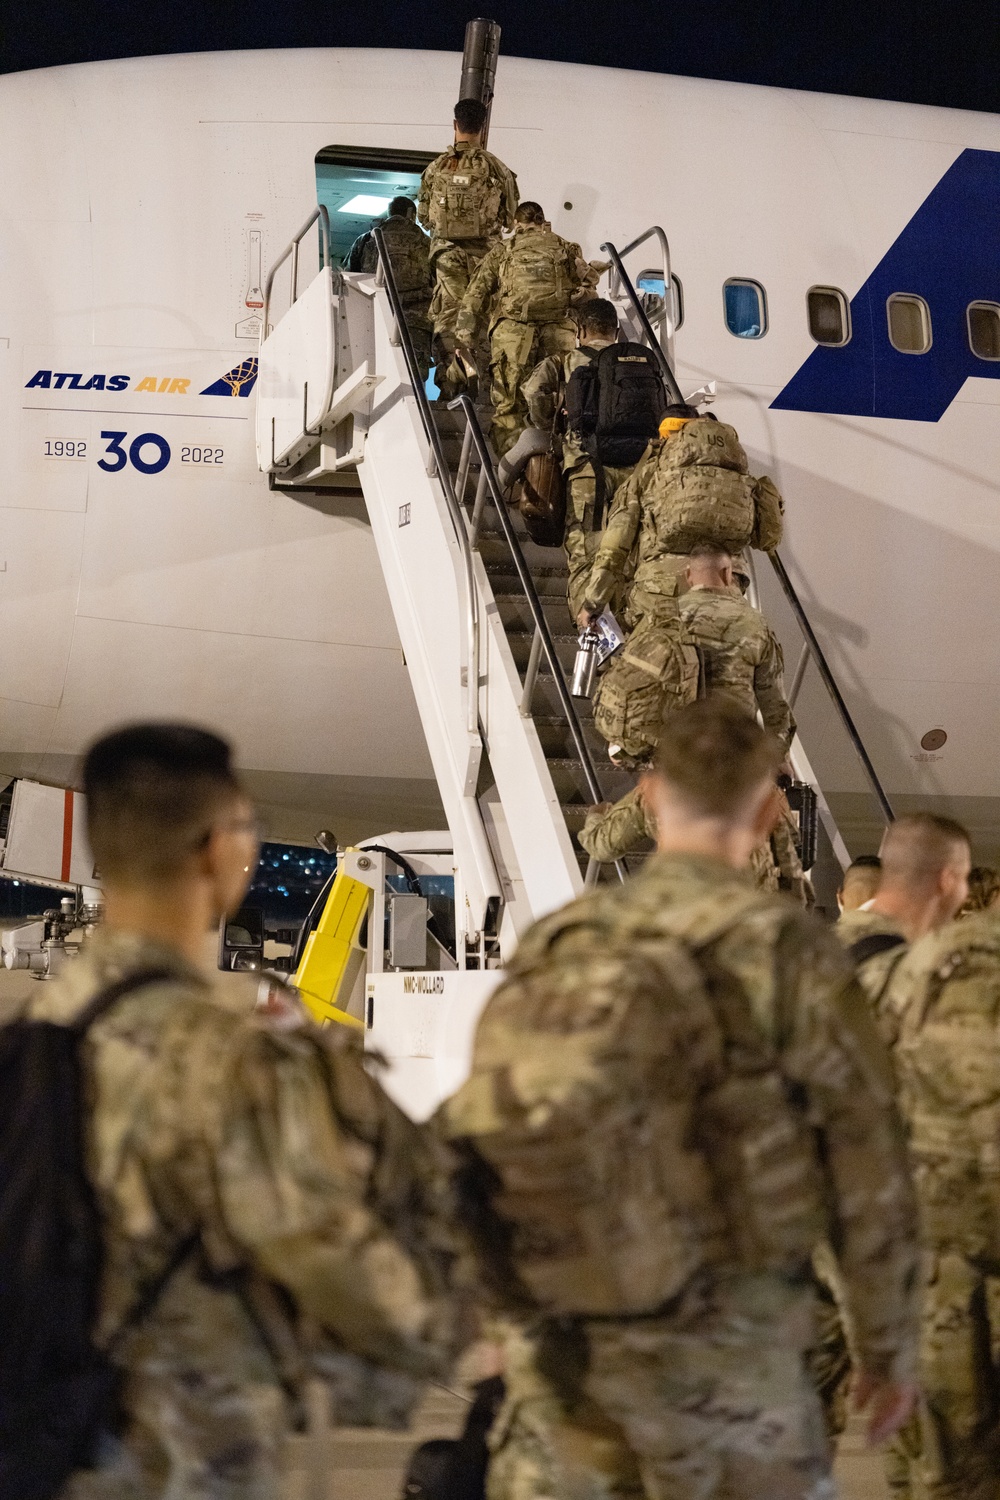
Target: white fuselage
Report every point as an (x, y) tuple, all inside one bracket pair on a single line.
[(137, 585)]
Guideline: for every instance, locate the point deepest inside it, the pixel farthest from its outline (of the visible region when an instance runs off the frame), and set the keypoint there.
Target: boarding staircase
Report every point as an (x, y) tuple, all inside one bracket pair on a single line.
[(480, 610)]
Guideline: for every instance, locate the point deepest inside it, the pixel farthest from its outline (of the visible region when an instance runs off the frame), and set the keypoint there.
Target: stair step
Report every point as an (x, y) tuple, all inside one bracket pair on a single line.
[(515, 613), (520, 645)]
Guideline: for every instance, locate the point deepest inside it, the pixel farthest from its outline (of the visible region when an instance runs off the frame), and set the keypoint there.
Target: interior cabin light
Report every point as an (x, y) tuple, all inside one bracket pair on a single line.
[(364, 203)]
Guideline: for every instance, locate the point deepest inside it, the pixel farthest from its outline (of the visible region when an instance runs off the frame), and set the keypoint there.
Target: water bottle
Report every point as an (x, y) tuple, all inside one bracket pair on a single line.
[(585, 665)]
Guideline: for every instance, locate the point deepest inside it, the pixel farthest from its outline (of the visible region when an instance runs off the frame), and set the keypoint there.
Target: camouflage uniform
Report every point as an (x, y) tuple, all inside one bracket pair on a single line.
[(644, 517), (519, 338), (249, 1132), (741, 654), (875, 973), (544, 393), (946, 993), (453, 261), (714, 1394), (408, 253), (627, 827)]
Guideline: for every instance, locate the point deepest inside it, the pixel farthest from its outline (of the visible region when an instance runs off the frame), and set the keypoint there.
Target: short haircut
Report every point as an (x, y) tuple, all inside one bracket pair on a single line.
[(470, 115), (403, 207), (681, 409), (918, 846), (705, 551), (153, 792), (860, 880), (713, 754), (598, 316), (529, 212), (984, 888)]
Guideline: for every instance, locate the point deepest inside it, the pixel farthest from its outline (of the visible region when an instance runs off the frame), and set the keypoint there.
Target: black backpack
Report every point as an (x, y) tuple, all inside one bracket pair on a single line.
[(617, 401), (57, 1389), (455, 1468)]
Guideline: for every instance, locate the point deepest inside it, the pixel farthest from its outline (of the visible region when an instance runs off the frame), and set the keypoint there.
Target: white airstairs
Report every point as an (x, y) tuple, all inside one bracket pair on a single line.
[(481, 611)]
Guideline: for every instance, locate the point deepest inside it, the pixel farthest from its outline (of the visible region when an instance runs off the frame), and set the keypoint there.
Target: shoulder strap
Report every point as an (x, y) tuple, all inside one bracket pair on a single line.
[(872, 945), (112, 993)]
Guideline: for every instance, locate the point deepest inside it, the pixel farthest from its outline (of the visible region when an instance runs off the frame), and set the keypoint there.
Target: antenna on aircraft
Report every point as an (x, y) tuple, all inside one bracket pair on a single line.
[(479, 65)]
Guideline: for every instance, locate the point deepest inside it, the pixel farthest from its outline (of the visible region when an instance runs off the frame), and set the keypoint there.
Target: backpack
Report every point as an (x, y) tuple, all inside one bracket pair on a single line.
[(630, 1126), (696, 489), (465, 197), (535, 286), (948, 1064), (615, 403), (658, 671), (408, 247), (540, 496), (768, 515), (455, 1468), (56, 1387)]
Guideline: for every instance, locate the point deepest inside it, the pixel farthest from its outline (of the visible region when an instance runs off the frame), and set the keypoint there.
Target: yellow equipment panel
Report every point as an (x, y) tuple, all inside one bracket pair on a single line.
[(329, 964)]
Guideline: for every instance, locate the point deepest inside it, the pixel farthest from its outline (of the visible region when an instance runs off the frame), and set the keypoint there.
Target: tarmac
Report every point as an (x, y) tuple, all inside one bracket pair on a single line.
[(331, 1463)]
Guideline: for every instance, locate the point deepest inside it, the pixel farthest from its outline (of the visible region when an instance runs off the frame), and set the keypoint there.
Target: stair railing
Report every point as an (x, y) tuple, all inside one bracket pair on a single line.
[(437, 466), (620, 280), (291, 251), (542, 642)]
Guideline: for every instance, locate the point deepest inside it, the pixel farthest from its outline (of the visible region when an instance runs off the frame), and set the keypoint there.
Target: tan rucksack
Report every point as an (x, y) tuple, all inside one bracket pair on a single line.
[(768, 515), (629, 1128), (948, 1062), (697, 489), (535, 286), (408, 248), (657, 671), (465, 197)]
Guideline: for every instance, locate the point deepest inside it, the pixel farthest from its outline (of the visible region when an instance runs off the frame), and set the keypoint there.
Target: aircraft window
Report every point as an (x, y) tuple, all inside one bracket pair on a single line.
[(829, 316), (746, 308), (650, 283), (984, 329), (909, 323)]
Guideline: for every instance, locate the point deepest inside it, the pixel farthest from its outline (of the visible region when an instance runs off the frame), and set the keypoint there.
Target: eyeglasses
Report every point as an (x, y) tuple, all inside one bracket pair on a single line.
[(250, 824)]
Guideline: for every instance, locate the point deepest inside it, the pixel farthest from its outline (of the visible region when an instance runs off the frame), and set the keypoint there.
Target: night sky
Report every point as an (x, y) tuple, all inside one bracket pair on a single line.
[(947, 53)]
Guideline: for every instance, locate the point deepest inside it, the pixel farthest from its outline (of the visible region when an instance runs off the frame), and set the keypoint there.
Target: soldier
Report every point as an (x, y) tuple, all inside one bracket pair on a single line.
[(947, 995), (709, 1380), (524, 286), (923, 880), (545, 394), (233, 1157), (860, 882), (612, 831), (713, 624), (924, 863), (467, 197), (692, 486), (408, 252), (984, 890)]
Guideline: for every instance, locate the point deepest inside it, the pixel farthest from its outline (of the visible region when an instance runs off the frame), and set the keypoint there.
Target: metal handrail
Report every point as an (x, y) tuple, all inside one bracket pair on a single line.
[(668, 280), (542, 631), (443, 472), (292, 249), (666, 369), (830, 683)]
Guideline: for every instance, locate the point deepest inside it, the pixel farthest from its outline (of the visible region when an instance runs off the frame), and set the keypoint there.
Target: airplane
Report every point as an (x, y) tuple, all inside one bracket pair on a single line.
[(833, 269)]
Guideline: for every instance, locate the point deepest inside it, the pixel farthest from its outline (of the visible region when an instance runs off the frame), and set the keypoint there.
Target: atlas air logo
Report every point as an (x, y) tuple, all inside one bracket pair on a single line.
[(238, 381), (948, 255)]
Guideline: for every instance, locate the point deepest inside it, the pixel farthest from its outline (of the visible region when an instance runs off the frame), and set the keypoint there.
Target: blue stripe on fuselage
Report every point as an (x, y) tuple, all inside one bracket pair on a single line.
[(949, 254)]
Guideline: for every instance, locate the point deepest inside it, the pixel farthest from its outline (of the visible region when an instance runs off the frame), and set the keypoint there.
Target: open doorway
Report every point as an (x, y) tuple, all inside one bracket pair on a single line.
[(356, 184)]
